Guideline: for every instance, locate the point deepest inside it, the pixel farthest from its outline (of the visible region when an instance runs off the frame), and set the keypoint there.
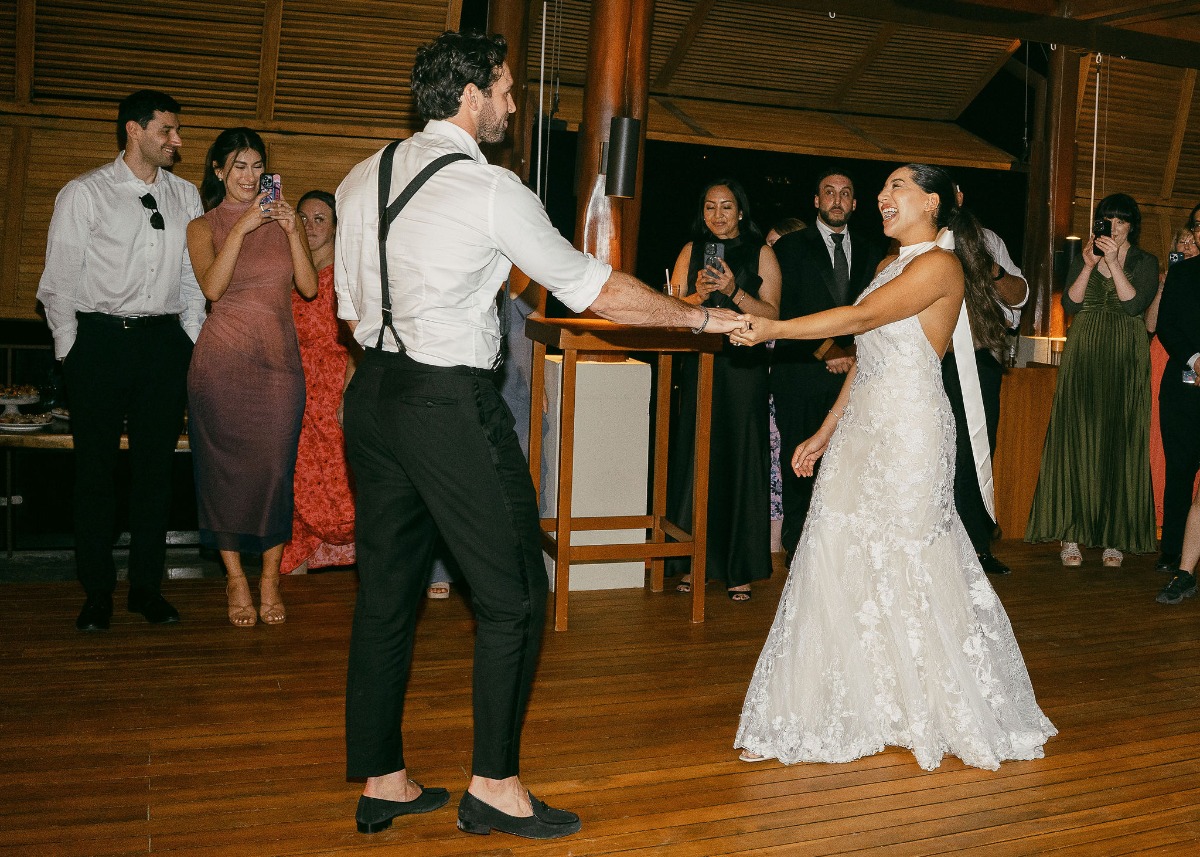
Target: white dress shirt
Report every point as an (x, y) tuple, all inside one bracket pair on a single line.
[(102, 255), (449, 251), (999, 253), (826, 236)]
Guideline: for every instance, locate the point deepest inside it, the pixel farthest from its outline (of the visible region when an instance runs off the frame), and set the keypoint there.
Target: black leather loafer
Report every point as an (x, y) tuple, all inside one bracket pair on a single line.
[(375, 814), (475, 816), (1168, 562), (154, 607), (991, 565), (96, 613)]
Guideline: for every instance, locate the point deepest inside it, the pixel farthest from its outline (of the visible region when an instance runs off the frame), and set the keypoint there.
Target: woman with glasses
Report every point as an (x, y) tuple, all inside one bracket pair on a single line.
[(246, 384), (1094, 484)]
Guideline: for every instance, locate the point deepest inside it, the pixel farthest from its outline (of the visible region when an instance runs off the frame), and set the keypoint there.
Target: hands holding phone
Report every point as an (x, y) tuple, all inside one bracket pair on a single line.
[(272, 205)]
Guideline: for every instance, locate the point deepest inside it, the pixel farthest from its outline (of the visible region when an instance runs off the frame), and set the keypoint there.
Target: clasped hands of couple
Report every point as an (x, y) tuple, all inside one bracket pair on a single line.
[(743, 329)]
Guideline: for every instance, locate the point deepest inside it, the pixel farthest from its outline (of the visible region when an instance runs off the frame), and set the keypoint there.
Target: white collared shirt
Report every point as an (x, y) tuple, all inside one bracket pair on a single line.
[(102, 255), (827, 237), (449, 251), (999, 253)]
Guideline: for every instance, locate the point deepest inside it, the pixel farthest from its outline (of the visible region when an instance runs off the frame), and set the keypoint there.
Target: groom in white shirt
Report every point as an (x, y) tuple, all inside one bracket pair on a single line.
[(430, 440)]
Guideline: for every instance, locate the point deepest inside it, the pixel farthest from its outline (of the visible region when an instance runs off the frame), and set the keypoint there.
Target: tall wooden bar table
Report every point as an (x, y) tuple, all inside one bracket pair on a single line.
[(574, 336)]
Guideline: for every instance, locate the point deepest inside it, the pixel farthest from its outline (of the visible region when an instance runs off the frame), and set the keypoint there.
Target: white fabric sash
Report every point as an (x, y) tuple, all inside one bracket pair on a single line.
[(972, 393)]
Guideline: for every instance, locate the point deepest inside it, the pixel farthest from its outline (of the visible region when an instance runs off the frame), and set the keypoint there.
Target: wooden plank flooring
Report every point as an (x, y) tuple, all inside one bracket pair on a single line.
[(204, 739)]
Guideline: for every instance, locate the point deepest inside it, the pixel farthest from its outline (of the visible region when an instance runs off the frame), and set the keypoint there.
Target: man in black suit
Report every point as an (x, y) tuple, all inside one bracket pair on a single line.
[(824, 267), (1179, 400)]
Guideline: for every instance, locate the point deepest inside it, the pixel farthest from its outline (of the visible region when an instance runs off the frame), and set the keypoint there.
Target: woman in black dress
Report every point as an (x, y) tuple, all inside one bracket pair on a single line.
[(744, 278)]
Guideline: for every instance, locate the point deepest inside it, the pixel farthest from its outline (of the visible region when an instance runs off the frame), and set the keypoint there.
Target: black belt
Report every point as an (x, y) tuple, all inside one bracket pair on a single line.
[(401, 358), (126, 322)]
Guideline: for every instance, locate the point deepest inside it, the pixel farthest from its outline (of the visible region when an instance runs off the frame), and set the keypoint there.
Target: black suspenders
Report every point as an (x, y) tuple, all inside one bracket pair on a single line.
[(388, 212)]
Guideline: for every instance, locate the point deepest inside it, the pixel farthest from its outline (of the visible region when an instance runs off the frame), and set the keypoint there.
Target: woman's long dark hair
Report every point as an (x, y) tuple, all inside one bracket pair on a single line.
[(983, 302), (212, 189), (746, 225)]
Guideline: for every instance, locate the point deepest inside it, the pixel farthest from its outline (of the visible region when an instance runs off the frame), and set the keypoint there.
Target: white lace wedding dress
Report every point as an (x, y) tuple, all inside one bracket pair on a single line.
[(888, 632)]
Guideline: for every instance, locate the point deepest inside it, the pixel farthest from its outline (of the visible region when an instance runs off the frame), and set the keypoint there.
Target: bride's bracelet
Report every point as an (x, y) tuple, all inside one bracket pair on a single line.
[(837, 414)]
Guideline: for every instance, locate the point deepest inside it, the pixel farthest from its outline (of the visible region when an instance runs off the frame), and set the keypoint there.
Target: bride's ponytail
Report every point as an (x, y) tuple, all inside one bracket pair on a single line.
[(983, 301)]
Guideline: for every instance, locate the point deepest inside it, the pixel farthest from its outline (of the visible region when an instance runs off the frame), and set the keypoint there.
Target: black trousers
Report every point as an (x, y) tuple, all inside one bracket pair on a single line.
[(433, 452), (967, 499), (1179, 419), (804, 393), (114, 375)]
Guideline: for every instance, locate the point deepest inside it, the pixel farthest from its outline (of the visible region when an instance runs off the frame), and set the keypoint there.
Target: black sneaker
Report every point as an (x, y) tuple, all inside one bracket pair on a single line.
[(1182, 585), (1168, 562)]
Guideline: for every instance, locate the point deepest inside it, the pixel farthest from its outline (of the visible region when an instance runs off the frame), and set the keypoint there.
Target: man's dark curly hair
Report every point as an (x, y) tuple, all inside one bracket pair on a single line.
[(448, 63)]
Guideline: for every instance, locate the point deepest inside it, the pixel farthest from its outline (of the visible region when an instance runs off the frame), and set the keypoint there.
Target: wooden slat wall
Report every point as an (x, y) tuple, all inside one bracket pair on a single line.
[(1141, 123), (337, 91)]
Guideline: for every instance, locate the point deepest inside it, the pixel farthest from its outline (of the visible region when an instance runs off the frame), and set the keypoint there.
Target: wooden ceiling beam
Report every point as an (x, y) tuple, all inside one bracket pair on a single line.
[(1138, 12), (960, 16), (970, 92), (1186, 89), (26, 28), (268, 59), (683, 44), (868, 56)]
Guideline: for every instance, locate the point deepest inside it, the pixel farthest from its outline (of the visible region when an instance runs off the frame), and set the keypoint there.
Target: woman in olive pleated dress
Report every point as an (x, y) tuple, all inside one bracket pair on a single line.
[(1094, 484)]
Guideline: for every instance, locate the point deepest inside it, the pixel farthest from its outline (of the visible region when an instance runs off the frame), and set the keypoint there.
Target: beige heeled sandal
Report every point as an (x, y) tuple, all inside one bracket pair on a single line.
[(1070, 555), (1112, 558)]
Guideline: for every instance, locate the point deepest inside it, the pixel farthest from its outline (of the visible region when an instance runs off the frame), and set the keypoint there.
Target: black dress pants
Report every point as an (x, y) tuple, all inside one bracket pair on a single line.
[(967, 499), (433, 452), (804, 393), (1179, 419), (114, 375)]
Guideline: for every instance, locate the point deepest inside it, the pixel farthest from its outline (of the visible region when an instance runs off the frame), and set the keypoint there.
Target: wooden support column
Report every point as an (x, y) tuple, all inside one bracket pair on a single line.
[(617, 85), (1051, 185), (510, 18)]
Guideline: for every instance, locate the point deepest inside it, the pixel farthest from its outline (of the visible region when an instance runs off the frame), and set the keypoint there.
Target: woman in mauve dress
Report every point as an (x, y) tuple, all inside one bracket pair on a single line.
[(323, 520), (246, 385)]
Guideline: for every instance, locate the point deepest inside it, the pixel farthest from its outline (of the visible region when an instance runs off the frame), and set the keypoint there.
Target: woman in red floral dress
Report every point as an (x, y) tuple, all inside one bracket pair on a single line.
[(323, 522)]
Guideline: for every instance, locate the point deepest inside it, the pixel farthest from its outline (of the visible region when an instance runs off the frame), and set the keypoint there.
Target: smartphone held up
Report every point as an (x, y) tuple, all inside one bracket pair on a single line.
[(713, 252), (270, 183), (1101, 229)]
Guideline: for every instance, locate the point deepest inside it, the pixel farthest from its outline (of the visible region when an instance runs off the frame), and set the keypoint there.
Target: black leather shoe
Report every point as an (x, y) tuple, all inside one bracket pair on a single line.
[(475, 816), (96, 613), (375, 814), (1168, 562), (992, 565), (154, 607)]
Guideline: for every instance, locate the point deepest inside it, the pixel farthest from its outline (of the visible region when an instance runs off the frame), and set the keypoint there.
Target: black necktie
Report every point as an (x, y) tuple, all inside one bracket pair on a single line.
[(841, 269)]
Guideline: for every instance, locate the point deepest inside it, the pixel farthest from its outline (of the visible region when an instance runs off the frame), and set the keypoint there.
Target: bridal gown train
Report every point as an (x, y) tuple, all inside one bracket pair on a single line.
[(888, 633)]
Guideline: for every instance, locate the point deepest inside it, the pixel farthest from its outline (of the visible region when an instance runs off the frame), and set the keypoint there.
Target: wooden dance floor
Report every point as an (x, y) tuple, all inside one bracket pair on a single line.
[(207, 739)]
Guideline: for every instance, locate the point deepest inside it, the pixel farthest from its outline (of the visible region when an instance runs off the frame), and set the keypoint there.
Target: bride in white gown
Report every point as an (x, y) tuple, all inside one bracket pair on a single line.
[(888, 633)]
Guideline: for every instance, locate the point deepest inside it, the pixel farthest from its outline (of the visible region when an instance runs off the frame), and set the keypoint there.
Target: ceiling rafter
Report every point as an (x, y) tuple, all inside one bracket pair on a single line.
[(882, 37), (683, 44), (268, 60), (959, 16), (1138, 13), (1182, 116)]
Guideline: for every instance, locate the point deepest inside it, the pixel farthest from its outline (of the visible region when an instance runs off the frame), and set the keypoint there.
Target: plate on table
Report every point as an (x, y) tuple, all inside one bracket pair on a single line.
[(60, 413), (24, 422)]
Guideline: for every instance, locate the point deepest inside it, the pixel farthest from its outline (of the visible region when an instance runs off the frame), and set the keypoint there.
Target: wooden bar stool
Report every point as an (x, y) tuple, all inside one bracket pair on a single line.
[(666, 538)]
